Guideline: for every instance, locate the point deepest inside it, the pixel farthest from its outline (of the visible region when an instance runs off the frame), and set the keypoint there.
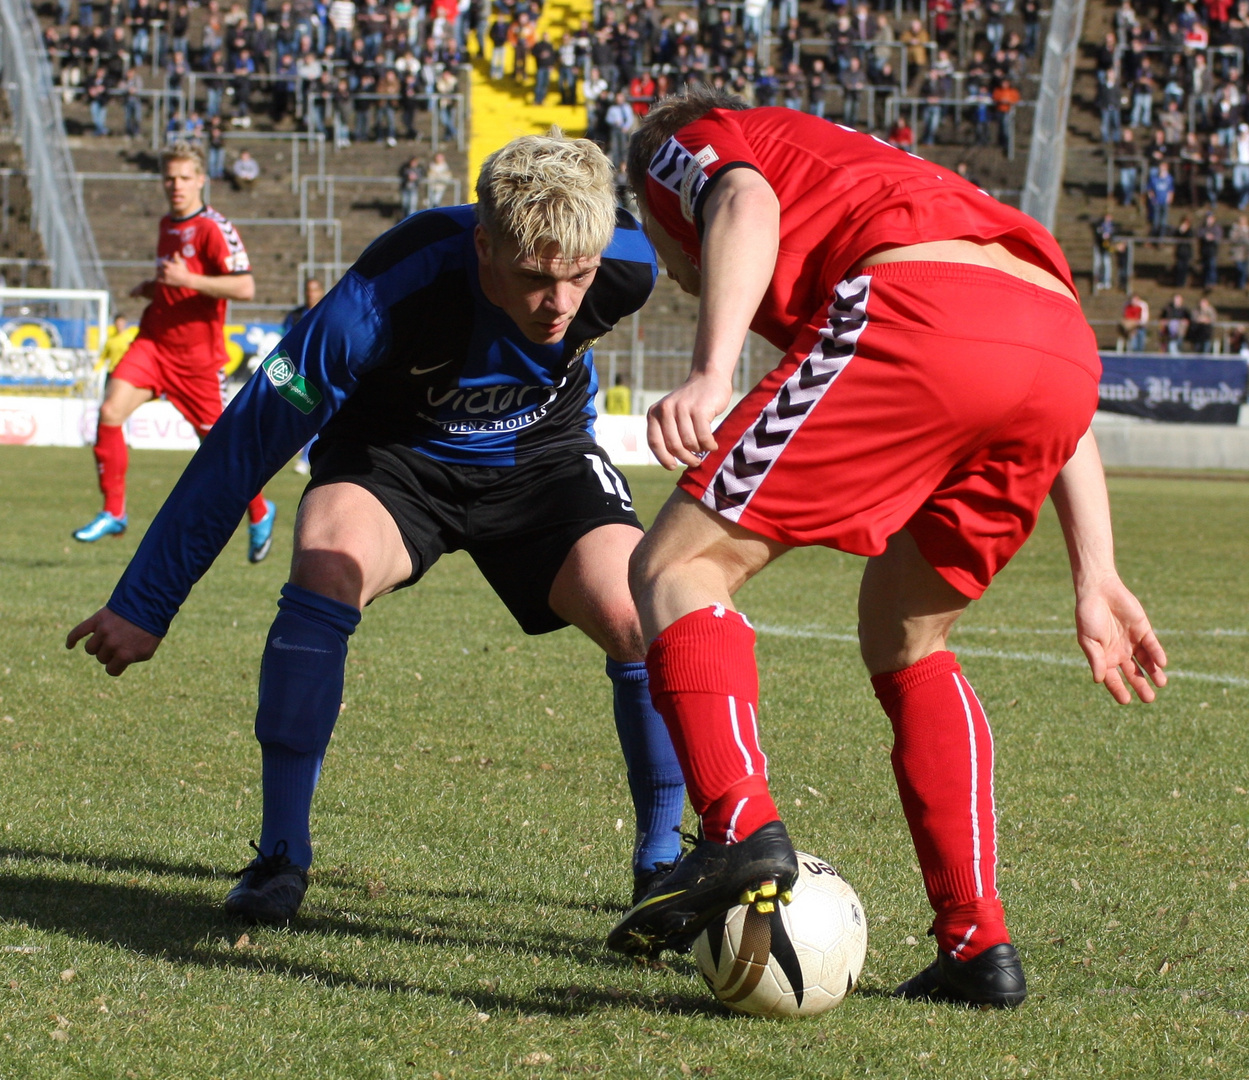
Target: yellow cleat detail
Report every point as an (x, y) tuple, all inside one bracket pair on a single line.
[(787, 897), (765, 907), (768, 889)]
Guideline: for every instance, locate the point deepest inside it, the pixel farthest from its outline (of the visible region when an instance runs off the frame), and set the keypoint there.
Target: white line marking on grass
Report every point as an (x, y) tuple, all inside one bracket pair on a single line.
[(999, 654)]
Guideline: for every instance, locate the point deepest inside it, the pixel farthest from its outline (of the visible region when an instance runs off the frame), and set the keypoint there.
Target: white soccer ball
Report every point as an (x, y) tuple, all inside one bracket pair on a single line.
[(800, 959)]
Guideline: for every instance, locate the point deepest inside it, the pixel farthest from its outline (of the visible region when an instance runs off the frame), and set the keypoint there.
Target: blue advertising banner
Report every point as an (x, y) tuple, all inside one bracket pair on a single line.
[(1177, 389)]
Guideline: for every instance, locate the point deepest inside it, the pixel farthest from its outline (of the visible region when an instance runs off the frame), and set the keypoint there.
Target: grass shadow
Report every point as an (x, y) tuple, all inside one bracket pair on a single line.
[(193, 930)]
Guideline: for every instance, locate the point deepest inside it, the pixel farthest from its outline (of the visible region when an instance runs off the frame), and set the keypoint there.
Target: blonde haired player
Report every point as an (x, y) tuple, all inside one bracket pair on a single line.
[(450, 377), (179, 352)]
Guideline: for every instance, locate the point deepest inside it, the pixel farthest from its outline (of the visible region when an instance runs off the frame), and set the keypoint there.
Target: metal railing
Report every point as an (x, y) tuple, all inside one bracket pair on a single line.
[(56, 201), (328, 184)]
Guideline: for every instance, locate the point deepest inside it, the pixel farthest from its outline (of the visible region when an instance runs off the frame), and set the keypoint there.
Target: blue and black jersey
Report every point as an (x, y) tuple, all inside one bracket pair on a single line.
[(404, 349)]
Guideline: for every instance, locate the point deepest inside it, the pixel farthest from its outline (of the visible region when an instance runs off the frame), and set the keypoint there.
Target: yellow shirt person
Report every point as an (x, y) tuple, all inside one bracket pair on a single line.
[(619, 402), (118, 341)]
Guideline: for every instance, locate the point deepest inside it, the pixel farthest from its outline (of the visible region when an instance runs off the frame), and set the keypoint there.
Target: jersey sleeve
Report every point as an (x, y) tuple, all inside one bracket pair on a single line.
[(313, 371), (223, 251), (684, 171)]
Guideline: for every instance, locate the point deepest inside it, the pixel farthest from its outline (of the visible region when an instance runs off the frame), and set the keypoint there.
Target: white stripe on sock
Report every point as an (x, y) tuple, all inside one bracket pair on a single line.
[(975, 783), (737, 737), (730, 833)]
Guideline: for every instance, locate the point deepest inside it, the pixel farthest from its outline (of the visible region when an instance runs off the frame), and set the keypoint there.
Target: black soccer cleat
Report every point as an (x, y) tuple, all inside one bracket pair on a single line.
[(994, 978), (707, 881), (270, 888), (646, 882)]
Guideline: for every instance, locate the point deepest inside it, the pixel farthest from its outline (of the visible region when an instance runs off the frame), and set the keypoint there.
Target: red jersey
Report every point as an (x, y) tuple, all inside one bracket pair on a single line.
[(187, 325), (843, 196)]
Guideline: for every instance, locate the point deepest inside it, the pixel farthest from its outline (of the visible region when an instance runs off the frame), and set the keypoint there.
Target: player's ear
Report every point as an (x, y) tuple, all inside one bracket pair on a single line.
[(481, 240)]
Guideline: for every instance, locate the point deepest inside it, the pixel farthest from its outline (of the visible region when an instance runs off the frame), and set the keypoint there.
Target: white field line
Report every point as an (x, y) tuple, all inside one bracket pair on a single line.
[(1065, 631), (999, 654)]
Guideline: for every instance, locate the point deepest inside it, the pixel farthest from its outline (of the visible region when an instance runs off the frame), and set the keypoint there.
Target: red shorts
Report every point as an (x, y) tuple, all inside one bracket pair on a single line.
[(937, 397), (198, 395)]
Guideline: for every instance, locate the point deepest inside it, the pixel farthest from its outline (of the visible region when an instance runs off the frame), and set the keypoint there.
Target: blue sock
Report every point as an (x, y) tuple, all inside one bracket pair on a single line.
[(655, 780), (301, 689)]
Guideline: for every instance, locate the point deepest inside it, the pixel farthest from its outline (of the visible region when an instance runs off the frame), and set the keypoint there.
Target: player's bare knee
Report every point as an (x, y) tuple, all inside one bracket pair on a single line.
[(336, 574), (113, 413)]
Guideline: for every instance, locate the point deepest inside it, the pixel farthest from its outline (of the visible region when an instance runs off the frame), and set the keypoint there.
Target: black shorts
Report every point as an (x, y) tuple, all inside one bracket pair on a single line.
[(518, 523)]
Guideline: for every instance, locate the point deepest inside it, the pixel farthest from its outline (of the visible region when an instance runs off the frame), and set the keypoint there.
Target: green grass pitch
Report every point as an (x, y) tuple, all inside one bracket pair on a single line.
[(473, 825)]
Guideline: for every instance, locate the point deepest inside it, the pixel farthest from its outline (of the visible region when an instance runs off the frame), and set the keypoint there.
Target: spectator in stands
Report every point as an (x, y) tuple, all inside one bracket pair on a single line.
[(1134, 324), (901, 135), (1143, 88), (1173, 325), (817, 88), (1105, 232), (448, 86), (545, 59), (411, 177), (313, 292), (567, 70), (498, 41), (245, 171), (216, 146), (1109, 106), (618, 400), (1005, 98), (621, 121), (132, 102), (438, 178), (1200, 336), (1174, 124), (1215, 169), (97, 100), (118, 340), (241, 83), (915, 38), (1209, 236), (1159, 195), (1239, 240)]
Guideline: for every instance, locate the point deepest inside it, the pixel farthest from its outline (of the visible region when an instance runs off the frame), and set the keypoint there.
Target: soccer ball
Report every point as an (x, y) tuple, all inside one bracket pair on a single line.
[(800, 959)]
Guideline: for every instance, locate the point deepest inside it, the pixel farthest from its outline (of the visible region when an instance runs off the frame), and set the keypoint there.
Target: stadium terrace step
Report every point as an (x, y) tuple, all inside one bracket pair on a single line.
[(503, 108)]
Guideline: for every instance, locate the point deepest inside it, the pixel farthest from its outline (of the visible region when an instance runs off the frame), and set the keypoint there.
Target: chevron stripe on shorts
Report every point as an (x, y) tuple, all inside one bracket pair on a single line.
[(745, 466)]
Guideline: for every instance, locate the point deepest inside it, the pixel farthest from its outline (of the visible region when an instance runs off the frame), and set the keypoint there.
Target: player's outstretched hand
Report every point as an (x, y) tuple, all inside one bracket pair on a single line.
[(678, 427), (1114, 632), (113, 641)]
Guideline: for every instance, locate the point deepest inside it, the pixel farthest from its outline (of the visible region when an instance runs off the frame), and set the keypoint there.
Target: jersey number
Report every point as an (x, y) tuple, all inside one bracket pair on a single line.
[(613, 483)]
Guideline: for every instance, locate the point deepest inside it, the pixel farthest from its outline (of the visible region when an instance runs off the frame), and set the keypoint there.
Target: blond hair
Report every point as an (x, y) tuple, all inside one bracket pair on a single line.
[(182, 151), (543, 190)]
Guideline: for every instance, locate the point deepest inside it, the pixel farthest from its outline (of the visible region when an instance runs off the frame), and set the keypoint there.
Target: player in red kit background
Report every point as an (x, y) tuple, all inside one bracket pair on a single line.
[(180, 351), (939, 379)]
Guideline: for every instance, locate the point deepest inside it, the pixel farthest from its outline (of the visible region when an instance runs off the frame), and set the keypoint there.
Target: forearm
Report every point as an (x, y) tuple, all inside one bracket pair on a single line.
[(740, 240), (1083, 507), (241, 287)]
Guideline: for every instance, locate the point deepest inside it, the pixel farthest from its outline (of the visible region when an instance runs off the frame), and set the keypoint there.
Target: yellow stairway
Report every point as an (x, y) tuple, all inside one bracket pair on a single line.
[(502, 110)]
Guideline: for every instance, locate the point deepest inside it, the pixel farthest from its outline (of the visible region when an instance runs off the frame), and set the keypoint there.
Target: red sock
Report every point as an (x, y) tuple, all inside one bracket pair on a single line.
[(256, 509), (706, 687), (112, 458), (943, 761)]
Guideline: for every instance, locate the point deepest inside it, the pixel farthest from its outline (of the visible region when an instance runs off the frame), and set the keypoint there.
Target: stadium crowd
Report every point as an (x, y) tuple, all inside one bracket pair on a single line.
[(359, 72), (1172, 101), (363, 70)]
